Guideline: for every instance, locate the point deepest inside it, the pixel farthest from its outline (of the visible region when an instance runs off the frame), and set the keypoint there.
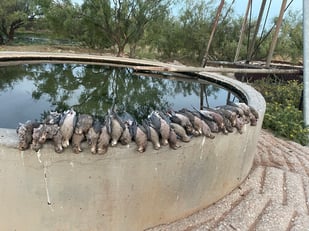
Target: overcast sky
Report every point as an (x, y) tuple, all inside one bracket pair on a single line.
[(240, 6)]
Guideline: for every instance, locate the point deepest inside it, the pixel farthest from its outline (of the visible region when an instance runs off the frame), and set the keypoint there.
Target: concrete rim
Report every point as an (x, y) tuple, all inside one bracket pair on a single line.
[(202, 165)]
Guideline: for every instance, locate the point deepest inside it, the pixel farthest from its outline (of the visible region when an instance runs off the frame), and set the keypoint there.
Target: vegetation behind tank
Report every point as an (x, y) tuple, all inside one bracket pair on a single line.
[(283, 115)]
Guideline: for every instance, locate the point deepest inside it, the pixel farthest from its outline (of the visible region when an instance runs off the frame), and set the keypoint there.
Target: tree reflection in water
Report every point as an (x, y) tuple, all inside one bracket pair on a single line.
[(94, 89)]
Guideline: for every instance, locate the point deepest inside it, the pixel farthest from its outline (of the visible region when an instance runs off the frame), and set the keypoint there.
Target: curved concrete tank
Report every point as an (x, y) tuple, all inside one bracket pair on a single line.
[(123, 190)]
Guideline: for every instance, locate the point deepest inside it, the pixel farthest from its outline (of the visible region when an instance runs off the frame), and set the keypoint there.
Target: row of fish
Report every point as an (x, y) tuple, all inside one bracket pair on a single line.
[(160, 128)]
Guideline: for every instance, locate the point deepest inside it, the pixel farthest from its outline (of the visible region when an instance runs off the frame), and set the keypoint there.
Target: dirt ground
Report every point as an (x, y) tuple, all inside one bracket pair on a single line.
[(51, 48)]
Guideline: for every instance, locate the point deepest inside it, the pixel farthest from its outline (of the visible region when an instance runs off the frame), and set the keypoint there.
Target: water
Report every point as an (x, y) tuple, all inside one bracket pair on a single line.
[(30, 90)]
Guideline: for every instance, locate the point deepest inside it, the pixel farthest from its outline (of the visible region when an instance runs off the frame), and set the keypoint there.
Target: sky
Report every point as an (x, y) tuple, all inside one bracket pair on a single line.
[(241, 5)]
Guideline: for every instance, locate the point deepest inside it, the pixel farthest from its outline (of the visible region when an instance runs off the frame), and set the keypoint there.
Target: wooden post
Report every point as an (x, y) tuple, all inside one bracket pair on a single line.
[(306, 61), (202, 87), (275, 38), (256, 30), (212, 32), (243, 27)]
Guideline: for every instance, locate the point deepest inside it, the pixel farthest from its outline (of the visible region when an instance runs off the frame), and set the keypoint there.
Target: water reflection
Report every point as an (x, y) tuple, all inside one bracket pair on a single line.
[(27, 91)]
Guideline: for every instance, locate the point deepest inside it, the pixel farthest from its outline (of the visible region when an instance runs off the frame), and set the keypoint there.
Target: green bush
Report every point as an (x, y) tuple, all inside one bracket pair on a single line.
[(282, 114)]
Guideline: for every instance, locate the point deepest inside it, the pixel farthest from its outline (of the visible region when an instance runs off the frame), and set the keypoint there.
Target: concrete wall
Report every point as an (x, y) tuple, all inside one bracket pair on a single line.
[(122, 190)]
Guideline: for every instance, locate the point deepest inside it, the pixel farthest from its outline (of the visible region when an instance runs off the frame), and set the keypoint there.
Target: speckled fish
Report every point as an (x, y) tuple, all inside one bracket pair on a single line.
[(67, 124)]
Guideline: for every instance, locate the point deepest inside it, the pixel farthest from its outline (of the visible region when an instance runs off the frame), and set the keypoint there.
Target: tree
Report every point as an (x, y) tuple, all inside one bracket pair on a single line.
[(13, 15), (185, 35), (290, 41), (63, 18), (123, 21)]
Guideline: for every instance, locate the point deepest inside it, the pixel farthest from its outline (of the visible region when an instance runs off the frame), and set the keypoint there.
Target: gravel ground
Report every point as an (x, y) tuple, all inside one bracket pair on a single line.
[(275, 195)]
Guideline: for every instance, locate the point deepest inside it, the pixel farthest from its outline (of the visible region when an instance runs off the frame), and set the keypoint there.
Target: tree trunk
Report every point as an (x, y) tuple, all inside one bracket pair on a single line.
[(132, 50), (120, 52), (11, 34), (14, 26), (1, 40)]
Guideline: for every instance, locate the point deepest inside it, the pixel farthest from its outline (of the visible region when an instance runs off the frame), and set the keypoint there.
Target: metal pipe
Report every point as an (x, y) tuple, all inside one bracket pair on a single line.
[(242, 30), (204, 62), (275, 38), (306, 61), (256, 30)]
